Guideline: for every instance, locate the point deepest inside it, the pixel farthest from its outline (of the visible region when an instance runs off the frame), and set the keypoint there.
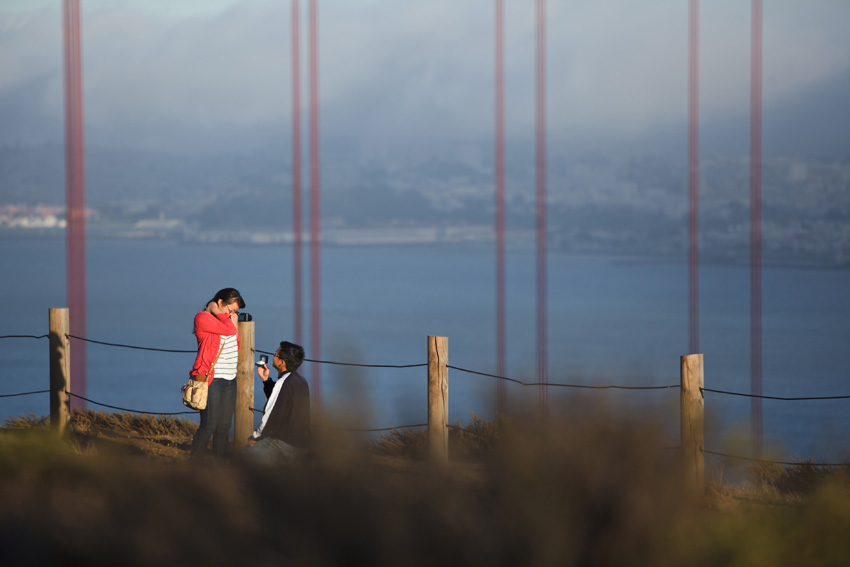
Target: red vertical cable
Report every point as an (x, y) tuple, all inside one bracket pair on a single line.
[(296, 172), (500, 205), (693, 180), (314, 207), (80, 329), (75, 196), (755, 226), (70, 204), (78, 361), (542, 338)]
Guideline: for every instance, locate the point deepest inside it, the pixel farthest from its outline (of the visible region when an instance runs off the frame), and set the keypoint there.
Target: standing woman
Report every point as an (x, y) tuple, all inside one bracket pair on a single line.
[(218, 350)]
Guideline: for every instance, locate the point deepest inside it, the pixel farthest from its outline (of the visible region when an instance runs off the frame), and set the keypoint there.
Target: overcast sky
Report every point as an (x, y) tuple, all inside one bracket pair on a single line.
[(181, 74)]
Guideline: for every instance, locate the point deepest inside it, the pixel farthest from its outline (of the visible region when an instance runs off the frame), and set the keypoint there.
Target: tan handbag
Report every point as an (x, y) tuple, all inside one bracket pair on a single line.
[(195, 391)]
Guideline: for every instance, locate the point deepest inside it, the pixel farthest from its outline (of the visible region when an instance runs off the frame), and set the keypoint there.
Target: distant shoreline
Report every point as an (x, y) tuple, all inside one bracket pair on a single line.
[(413, 237)]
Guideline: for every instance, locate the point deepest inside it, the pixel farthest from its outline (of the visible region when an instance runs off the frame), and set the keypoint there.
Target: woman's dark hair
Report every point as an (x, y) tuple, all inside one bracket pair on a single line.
[(228, 295), (291, 354)]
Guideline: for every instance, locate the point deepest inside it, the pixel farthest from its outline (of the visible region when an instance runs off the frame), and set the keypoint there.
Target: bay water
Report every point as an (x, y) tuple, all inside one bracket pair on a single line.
[(612, 320)]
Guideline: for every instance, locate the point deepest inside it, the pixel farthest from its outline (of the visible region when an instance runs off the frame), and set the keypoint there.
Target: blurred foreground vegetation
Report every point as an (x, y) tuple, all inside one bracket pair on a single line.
[(119, 489)]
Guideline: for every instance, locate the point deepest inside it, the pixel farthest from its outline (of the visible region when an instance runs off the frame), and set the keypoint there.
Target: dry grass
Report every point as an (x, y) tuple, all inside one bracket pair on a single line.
[(93, 431), (799, 480), (572, 492)]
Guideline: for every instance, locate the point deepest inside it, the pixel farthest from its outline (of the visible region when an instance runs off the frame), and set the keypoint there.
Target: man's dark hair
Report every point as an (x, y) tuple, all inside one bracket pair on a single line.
[(291, 354)]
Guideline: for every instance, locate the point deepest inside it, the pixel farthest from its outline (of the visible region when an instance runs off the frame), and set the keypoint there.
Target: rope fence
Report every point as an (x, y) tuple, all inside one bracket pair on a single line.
[(555, 384), (457, 368), (130, 346), (362, 430), (767, 461), (420, 425), (797, 399), (128, 410), (24, 394), (255, 410)]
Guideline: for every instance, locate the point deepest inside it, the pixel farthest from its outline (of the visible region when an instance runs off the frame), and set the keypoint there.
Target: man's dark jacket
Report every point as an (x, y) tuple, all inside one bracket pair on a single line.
[(289, 420)]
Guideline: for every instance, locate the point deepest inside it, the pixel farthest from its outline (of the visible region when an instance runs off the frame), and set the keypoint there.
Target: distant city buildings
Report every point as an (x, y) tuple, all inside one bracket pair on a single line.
[(39, 216), (597, 203)]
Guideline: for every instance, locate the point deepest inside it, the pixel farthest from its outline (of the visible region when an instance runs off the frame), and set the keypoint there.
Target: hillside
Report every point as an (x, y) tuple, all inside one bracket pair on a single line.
[(121, 490)]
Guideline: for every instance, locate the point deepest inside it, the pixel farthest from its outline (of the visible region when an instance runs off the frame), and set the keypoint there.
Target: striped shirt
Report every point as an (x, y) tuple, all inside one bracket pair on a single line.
[(225, 368)]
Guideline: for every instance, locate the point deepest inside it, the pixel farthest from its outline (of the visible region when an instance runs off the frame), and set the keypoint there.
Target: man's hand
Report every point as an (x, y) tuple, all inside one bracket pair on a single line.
[(263, 371), (252, 442)]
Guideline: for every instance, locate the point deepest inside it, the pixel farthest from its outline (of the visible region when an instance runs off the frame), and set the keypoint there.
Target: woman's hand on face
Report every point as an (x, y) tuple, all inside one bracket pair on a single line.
[(213, 308), (234, 318)]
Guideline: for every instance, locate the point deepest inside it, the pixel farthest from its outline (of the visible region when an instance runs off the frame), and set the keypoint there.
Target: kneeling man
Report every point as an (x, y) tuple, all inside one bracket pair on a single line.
[(284, 432)]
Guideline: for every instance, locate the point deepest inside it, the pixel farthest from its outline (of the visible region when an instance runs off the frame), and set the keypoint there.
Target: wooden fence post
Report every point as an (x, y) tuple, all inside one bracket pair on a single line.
[(244, 418), (60, 369), (438, 399), (692, 420)]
